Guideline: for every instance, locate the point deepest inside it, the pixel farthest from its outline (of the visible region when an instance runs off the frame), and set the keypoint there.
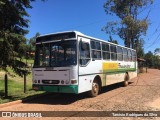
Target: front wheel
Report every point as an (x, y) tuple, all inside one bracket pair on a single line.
[(95, 89)]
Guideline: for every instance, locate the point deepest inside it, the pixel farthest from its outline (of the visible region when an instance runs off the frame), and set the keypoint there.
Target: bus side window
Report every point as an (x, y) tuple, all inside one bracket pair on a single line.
[(119, 53), (84, 53), (129, 55), (133, 56), (106, 51), (96, 50), (125, 54), (113, 52)]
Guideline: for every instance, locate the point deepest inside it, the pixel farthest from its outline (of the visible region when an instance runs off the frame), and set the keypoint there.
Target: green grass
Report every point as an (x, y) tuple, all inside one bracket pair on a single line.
[(15, 91), (16, 86)]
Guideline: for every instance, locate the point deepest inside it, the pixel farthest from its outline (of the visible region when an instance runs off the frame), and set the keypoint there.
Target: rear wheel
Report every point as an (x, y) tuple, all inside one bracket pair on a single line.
[(126, 78), (125, 83), (95, 89)]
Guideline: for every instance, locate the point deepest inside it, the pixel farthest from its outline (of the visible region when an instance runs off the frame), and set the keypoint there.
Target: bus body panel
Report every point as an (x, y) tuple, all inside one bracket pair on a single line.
[(46, 80), (87, 75), (114, 71), (48, 75), (87, 72), (110, 72)]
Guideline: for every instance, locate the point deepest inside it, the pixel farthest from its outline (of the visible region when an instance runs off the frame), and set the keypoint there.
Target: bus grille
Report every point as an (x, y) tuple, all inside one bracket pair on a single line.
[(50, 81)]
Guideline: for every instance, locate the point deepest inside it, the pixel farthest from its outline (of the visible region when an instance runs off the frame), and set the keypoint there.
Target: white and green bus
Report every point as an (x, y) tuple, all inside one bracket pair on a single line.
[(71, 62)]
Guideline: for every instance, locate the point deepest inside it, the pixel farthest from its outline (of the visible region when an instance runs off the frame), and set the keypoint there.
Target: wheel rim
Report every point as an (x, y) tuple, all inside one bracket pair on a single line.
[(95, 88), (126, 83)]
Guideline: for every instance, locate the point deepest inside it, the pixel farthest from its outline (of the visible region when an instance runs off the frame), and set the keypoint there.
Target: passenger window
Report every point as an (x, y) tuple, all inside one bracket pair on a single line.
[(93, 44), (133, 55), (106, 51), (105, 47), (98, 46), (96, 50), (113, 52), (119, 53), (125, 54)]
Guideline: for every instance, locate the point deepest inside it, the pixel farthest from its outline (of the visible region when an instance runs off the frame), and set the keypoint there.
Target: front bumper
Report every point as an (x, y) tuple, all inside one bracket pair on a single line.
[(56, 89)]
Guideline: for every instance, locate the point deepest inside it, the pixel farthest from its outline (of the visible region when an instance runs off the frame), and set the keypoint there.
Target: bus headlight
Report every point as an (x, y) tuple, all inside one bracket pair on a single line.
[(67, 82), (62, 81), (73, 81)]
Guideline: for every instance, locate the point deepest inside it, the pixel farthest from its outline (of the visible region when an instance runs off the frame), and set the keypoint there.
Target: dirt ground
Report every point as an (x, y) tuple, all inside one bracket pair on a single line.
[(142, 94)]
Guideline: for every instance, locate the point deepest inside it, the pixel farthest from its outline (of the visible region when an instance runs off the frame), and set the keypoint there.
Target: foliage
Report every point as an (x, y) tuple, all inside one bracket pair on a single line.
[(13, 27), (112, 41), (152, 60), (31, 46), (157, 51), (130, 28), (140, 53), (139, 47)]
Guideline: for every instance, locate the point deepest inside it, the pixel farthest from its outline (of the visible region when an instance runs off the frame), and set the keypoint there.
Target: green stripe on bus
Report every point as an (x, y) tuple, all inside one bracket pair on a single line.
[(58, 88), (116, 71)]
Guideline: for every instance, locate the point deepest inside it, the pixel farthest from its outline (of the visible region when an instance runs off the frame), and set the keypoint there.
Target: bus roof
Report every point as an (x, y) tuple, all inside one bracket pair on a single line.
[(81, 34)]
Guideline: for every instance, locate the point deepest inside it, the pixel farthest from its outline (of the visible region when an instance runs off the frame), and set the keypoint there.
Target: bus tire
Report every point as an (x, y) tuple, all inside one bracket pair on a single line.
[(95, 89), (126, 79)]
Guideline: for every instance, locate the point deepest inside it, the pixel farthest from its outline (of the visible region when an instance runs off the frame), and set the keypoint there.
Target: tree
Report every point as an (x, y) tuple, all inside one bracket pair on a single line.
[(152, 60), (130, 28), (112, 41), (156, 62), (32, 46), (139, 47), (13, 24), (13, 28), (149, 59), (157, 51), (32, 40)]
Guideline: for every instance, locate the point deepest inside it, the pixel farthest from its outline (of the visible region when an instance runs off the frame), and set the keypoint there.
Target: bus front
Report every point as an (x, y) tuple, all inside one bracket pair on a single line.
[(55, 66)]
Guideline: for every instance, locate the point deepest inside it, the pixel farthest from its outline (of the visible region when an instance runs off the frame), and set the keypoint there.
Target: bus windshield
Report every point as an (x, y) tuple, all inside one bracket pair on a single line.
[(56, 54)]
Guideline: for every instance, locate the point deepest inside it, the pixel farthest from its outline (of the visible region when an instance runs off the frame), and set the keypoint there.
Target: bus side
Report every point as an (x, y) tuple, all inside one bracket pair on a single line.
[(104, 62)]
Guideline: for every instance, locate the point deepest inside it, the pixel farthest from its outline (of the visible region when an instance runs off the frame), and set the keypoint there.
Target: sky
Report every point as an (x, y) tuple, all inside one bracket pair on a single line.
[(87, 17)]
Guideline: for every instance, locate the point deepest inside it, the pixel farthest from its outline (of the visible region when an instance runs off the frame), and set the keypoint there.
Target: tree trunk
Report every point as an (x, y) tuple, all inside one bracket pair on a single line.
[(132, 42), (128, 43)]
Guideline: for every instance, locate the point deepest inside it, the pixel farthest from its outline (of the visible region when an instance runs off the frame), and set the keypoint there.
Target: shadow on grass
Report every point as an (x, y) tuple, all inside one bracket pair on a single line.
[(8, 98), (19, 96), (1, 93), (65, 99)]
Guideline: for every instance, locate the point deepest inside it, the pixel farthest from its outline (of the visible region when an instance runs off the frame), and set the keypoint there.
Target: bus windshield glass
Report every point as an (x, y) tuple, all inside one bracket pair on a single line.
[(56, 54)]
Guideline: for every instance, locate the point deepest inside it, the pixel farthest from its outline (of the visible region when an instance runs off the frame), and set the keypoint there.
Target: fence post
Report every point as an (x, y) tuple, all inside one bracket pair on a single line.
[(146, 67), (24, 83), (6, 85)]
